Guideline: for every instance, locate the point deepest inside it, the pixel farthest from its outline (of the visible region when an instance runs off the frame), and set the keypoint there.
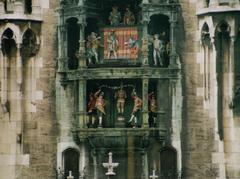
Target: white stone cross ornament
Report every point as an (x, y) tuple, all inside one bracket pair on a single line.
[(110, 165), (70, 175), (154, 176)]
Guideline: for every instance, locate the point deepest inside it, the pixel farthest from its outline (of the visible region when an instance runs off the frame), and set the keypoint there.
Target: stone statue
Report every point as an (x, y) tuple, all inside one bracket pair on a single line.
[(115, 16), (121, 96), (136, 108), (129, 18), (112, 44), (158, 50), (100, 106), (92, 46), (91, 110), (152, 107)]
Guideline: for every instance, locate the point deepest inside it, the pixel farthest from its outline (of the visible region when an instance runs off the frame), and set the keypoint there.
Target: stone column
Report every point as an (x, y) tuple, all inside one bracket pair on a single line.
[(145, 174), (176, 122), (36, 8), (213, 3), (83, 160), (145, 21), (19, 7), (62, 47), (82, 56), (2, 9), (3, 61), (174, 63), (145, 82), (82, 103), (94, 158), (19, 66), (231, 70)]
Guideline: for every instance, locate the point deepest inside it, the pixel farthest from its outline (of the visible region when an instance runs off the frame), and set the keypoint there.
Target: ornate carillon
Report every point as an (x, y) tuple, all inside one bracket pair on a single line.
[(119, 82)]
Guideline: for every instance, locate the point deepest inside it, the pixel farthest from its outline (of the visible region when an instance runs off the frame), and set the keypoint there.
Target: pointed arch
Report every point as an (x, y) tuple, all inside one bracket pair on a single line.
[(8, 41), (29, 44), (222, 26), (16, 32)]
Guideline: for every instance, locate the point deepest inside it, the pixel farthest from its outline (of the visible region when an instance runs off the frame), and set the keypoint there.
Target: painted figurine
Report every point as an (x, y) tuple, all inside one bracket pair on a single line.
[(129, 18), (100, 106), (136, 108), (152, 106), (91, 109), (158, 50), (121, 96), (92, 46), (112, 44), (115, 16)]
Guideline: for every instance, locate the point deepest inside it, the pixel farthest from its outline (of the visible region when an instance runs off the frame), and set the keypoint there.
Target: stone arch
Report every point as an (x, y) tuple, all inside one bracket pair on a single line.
[(70, 162), (168, 163), (8, 41), (205, 34), (30, 46), (26, 28), (223, 25), (16, 32)]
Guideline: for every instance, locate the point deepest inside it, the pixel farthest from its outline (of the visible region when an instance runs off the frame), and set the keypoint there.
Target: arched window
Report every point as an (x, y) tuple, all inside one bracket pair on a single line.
[(8, 42), (28, 6), (168, 163), (73, 35), (29, 44), (206, 46), (71, 162)]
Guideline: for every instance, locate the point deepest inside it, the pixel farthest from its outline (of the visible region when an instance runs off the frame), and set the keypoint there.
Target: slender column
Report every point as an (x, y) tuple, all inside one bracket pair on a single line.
[(174, 63), (145, 21), (213, 3), (83, 160), (19, 66), (94, 157), (145, 174), (36, 9), (82, 56), (18, 7), (176, 122), (231, 71), (82, 103), (2, 9), (145, 82), (62, 38), (3, 62)]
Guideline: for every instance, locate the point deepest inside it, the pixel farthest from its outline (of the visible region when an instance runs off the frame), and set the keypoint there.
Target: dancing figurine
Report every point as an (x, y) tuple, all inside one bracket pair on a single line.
[(115, 16), (121, 96), (152, 106), (91, 109), (136, 108), (112, 44), (100, 106), (129, 18)]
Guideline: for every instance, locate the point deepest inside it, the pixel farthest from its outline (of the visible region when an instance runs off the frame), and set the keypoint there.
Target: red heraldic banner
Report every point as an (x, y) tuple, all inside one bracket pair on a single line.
[(121, 43)]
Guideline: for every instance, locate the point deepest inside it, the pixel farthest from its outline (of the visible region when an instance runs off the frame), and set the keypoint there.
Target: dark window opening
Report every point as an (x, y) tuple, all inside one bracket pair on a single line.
[(8, 42), (168, 161), (28, 6), (73, 35), (71, 163)]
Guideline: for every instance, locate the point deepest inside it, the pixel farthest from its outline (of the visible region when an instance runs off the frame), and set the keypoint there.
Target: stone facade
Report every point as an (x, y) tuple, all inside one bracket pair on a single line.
[(44, 121)]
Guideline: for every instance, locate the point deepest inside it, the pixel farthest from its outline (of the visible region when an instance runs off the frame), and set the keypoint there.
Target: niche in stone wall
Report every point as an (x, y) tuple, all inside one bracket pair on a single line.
[(29, 51), (222, 68), (168, 163), (28, 6), (73, 34), (159, 48), (206, 49), (71, 163), (8, 68)]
